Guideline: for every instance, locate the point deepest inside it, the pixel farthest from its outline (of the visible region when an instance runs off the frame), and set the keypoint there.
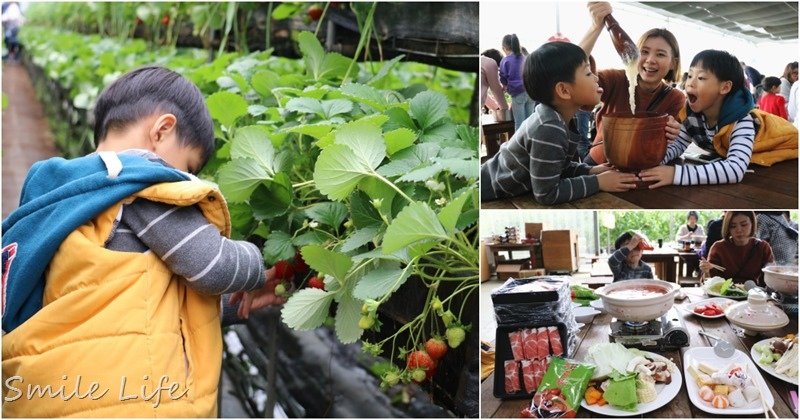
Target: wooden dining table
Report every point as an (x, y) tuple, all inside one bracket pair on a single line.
[(597, 331), (773, 187)]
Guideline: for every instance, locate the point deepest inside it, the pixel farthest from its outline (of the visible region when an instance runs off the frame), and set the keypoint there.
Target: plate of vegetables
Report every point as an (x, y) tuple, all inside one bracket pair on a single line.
[(778, 357), (719, 287), (710, 308), (648, 381)]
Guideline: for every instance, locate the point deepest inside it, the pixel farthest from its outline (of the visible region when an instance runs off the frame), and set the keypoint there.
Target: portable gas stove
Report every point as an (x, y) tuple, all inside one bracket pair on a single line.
[(665, 333)]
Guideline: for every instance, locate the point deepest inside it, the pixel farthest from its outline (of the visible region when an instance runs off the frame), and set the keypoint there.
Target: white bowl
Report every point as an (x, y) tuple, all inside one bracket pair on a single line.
[(781, 278), (584, 314), (638, 300)]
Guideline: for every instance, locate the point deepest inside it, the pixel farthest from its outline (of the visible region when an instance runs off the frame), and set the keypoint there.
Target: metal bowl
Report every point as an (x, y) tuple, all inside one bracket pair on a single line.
[(625, 307)]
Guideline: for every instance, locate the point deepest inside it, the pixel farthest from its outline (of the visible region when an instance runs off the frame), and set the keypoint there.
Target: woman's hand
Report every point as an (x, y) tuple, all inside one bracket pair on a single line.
[(615, 181), (705, 267), (599, 10), (662, 175), (673, 128), (599, 169)]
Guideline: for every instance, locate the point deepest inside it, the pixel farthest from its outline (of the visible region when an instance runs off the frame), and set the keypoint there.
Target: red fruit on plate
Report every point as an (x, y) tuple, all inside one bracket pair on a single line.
[(316, 283), (710, 312), (436, 348), (699, 309)]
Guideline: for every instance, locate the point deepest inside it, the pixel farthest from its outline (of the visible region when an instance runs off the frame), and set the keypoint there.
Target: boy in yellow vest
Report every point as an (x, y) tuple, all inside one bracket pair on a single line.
[(114, 264), (719, 118)]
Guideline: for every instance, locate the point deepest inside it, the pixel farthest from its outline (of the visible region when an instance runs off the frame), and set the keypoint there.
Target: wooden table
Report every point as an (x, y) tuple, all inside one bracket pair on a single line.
[(597, 332), (495, 134), (665, 262), (494, 249), (774, 187)]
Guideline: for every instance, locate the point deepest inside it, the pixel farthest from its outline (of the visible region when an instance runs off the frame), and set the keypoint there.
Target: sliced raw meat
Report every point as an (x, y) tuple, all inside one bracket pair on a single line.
[(538, 372), (543, 343), (555, 341), (529, 339), (515, 338), (512, 376), (528, 375)]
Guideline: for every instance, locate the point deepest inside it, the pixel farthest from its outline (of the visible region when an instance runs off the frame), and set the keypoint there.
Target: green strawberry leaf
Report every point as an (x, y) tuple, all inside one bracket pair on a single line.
[(253, 142), (263, 81), (304, 106), (311, 237), (428, 108), (278, 247), (328, 213), (359, 238), (318, 130), (335, 107), (416, 222), (307, 309), (450, 213), (399, 118), (363, 212), (467, 169), (382, 281), (348, 313), (272, 199), (366, 95), (226, 107), (443, 133), (238, 178), (422, 174), (377, 254), (340, 167), (385, 69), (328, 262), (399, 139)]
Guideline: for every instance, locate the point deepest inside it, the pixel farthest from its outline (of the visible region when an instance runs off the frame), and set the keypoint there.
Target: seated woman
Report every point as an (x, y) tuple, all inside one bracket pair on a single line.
[(739, 251), (685, 232)]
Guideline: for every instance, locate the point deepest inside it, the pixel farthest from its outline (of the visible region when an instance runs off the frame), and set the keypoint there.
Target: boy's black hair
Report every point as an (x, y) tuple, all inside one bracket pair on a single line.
[(726, 67), (494, 55), (550, 64), (770, 82), (625, 237), (148, 90)]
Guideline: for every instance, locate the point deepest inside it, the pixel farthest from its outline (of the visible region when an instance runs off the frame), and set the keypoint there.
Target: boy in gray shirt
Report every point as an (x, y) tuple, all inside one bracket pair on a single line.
[(538, 157)]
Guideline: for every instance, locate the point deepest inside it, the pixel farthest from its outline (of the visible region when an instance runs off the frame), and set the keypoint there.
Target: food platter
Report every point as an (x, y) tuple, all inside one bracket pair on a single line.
[(665, 394), (769, 368), (719, 301), (706, 355)]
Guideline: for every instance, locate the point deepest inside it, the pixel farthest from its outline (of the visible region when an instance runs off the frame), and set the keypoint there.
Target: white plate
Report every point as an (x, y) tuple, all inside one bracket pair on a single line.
[(721, 302), (584, 314), (665, 394), (706, 354), (769, 368), (598, 304)]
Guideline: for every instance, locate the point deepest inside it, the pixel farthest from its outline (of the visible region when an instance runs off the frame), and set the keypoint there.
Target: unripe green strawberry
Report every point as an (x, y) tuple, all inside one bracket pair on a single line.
[(455, 336), (280, 290), (366, 322), (391, 378), (436, 305), (418, 375)]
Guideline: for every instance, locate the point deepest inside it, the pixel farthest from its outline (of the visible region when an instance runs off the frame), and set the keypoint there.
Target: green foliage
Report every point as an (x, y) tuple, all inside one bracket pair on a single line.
[(656, 225)]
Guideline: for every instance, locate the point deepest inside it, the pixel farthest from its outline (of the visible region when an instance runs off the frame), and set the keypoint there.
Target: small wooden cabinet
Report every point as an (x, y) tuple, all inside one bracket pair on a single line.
[(560, 250)]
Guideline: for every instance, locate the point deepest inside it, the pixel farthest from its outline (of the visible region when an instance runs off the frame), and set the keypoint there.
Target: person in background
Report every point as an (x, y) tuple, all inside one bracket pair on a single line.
[(788, 79), (739, 251), (659, 62), (781, 236), (770, 101), (713, 234), (511, 78), (794, 104), (691, 228), (626, 262), (682, 85), (490, 81), (752, 77), (12, 20)]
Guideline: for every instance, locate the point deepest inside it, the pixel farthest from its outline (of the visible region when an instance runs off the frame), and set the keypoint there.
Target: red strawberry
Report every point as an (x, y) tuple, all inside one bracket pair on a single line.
[(283, 270), (314, 13), (436, 348), (421, 360), (299, 265), (165, 20), (316, 283)]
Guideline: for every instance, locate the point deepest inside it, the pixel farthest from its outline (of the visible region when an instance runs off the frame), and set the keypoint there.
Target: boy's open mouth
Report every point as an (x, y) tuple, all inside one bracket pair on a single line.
[(691, 97)]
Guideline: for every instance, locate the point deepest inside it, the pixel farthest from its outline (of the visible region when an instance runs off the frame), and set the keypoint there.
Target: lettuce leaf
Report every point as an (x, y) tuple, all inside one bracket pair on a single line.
[(621, 391), (609, 357)]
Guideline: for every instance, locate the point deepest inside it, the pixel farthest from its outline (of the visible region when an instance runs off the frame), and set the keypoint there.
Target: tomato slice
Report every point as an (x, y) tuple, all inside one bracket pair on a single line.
[(710, 312), (699, 309)]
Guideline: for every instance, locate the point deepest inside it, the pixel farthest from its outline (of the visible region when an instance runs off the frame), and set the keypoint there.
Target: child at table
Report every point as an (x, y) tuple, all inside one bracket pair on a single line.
[(626, 262), (538, 157), (720, 119)]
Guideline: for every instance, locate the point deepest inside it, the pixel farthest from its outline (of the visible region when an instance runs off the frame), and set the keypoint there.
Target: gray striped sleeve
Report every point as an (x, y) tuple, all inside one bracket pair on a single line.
[(194, 249), (728, 171)]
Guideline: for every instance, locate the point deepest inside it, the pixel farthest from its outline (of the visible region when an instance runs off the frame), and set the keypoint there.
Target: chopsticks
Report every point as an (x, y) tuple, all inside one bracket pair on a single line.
[(718, 267), (767, 410), (793, 394)]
